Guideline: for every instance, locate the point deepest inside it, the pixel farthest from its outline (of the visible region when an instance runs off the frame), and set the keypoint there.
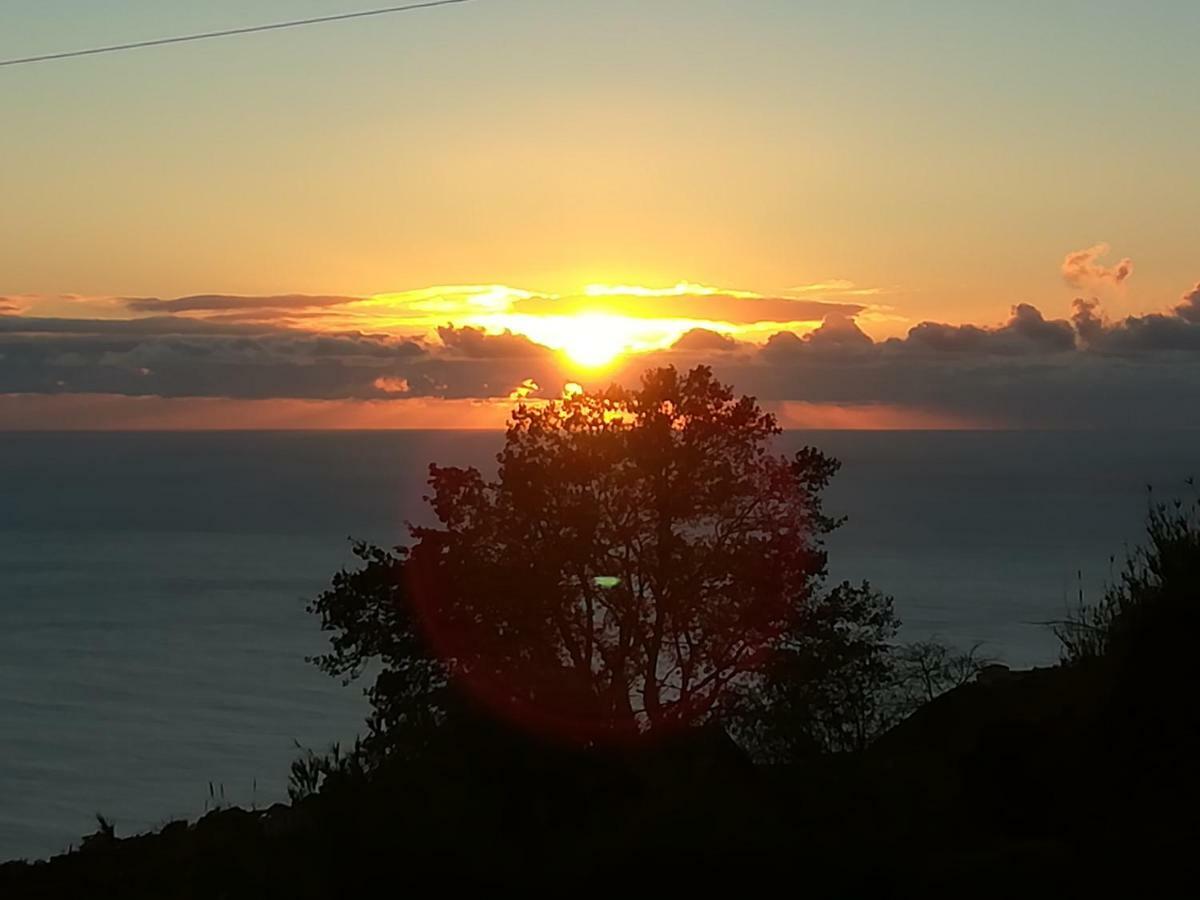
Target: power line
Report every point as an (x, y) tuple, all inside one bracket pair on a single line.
[(228, 32)]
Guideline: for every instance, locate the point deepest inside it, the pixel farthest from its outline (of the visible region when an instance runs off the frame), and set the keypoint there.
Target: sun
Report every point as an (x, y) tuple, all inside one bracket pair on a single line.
[(594, 337), (593, 340)]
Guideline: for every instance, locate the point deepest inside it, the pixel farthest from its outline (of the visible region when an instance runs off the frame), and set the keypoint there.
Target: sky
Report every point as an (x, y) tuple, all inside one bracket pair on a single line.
[(922, 214)]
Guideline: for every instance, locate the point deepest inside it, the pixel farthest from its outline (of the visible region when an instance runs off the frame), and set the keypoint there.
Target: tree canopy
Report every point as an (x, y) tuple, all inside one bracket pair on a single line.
[(638, 556)]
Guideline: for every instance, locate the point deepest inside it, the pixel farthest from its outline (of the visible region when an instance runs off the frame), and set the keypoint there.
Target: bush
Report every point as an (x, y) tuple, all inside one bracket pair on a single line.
[(1155, 598), (312, 771)]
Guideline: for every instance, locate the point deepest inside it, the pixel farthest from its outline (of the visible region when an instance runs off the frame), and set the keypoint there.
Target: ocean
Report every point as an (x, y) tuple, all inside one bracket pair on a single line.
[(153, 631)]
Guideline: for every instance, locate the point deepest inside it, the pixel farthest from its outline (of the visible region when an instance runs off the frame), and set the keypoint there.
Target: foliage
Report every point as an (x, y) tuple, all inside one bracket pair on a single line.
[(826, 688), (840, 681), (371, 620), (1154, 596), (311, 771)]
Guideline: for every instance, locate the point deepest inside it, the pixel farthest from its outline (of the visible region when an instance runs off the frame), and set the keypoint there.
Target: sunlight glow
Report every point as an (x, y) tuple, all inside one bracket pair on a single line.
[(592, 328), (595, 339), (592, 339)]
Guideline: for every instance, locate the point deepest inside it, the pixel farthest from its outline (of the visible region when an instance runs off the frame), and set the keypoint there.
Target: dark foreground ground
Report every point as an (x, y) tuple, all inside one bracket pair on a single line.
[(1054, 782)]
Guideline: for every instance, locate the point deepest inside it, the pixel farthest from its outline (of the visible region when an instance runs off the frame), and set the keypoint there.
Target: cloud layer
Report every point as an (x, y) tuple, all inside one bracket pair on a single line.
[(736, 309), (1028, 371)]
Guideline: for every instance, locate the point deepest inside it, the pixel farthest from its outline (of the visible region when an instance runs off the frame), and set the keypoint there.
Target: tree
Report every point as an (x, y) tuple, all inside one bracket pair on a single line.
[(927, 669), (839, 679), (637, 559), (829, 687)]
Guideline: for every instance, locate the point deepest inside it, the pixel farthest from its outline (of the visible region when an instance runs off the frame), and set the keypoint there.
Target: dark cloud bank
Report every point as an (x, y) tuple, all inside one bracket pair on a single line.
[(1029, 372), (171, 356)]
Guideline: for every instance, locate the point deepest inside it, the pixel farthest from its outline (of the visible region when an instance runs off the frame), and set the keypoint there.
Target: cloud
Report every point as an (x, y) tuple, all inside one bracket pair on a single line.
[(391, 385), (149, 326), (1027, 331), (1027, 371), (782, 343), (1154, 333), (177, 357), (1087, 321), (225, 303), (1189, 308), (837, 286), (839, 331), (490, 306), (736, 309), (436, 299), (821, 287), (180, 357), (475, 343), (1081, 269), (1071, 390), (1177, 331), (702, 340)]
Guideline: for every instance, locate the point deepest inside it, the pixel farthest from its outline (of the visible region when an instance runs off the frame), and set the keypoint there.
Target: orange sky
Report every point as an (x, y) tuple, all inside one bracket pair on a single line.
[(887, 210), (945, 155)]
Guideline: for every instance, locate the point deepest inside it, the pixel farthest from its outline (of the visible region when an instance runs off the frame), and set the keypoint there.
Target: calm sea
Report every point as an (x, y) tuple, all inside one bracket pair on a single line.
[(152, 586)]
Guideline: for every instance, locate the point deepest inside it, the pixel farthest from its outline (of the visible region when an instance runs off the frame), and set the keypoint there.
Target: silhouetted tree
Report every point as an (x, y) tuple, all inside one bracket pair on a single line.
[(839, 680), (638, 558), (830, 686), (927, 669), (369, 614)]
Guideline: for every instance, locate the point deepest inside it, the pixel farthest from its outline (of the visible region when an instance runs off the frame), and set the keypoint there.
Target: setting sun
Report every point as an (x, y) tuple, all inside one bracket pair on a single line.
[(589, 339), (595, 339), (594, 328)]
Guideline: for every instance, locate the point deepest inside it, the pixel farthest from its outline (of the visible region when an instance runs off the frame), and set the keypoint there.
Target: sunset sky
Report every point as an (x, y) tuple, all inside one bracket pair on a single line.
[(925, 214)]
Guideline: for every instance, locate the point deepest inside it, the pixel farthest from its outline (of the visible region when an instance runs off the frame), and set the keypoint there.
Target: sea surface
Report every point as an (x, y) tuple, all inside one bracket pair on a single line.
[(153, 631)]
